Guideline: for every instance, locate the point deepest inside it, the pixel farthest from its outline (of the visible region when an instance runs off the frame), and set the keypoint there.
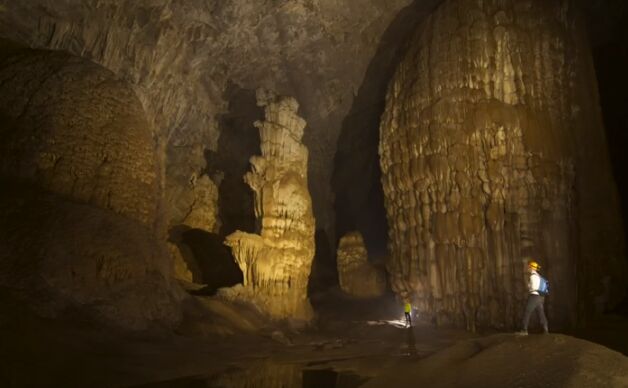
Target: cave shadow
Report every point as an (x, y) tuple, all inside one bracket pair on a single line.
[(356, 180), (611, 59), (213, 259), (208, 259), (205, 254), (324, 273), (239, 140), (410, 342)]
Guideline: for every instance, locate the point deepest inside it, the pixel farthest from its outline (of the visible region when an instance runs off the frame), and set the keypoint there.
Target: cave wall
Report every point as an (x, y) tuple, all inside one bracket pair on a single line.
[(80, 228), (493, 153)]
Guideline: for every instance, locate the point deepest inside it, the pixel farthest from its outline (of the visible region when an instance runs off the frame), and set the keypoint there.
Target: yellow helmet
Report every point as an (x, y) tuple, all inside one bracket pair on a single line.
[(534, 265)]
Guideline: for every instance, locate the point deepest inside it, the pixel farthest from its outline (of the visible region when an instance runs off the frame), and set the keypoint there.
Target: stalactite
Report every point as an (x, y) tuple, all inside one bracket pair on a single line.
[(479, 163), (276, 263)]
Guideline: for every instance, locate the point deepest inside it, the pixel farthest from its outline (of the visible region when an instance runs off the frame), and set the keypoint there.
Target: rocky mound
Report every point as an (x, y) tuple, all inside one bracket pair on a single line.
[(506, 360)]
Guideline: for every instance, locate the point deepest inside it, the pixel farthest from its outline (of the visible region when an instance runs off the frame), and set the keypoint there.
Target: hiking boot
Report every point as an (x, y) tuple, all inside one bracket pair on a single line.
[(522, 332)]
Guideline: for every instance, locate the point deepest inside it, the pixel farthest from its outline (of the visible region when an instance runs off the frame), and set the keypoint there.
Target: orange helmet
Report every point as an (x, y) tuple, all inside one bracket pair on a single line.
[(534, 265)]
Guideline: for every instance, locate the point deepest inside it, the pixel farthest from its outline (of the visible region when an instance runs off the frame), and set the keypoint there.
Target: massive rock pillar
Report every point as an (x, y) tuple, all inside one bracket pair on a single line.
[(276, 263), (480, 147), (80, 197)]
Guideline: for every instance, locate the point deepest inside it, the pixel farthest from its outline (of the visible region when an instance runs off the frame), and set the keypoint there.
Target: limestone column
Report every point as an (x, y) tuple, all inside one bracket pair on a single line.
[(480, 148), (276, 263)]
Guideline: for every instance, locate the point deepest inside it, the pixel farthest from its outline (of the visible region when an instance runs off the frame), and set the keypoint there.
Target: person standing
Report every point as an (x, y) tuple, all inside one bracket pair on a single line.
[(537, 289), (408, 311)]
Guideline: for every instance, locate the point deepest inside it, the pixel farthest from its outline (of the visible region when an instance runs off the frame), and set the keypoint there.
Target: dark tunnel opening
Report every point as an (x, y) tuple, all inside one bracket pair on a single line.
[(238, 141), (610, 57), (212, 261), (356, 181)]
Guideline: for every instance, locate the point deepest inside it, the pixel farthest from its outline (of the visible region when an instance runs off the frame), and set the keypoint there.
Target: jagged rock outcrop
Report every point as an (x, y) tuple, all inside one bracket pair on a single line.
[(196, 204), (357, 276), (276, 263), (492, 153), (79, 211)]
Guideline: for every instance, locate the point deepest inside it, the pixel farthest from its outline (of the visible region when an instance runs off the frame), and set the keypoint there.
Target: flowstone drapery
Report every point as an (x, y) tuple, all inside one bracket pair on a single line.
[(357, 276), (486, 142), (276, 263)]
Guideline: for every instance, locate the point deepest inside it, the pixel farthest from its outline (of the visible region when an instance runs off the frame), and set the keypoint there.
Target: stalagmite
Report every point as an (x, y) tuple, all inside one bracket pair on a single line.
[(276, 263), (357, 276), (479, 168)]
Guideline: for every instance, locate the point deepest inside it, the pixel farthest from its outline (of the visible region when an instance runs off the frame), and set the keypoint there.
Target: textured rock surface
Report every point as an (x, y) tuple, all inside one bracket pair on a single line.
[(196, 204), (74, 129), (493, 153), (181, 56), (80, 198), (264, 375), (357, 276), (276, 263), (557, 360), (193, 206), (60, 257)]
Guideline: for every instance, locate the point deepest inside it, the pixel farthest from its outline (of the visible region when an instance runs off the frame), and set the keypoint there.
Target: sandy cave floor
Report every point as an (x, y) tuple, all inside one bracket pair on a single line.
[(347, 347)]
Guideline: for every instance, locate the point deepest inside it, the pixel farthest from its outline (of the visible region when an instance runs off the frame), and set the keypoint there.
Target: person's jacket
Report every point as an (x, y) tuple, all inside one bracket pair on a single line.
[(534, 282)]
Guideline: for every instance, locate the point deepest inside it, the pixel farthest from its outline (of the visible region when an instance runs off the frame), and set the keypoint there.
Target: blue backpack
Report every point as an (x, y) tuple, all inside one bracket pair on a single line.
[(543, 286)]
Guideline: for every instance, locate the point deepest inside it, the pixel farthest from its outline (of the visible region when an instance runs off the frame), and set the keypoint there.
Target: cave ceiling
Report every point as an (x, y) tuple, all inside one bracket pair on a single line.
[(181, 57)]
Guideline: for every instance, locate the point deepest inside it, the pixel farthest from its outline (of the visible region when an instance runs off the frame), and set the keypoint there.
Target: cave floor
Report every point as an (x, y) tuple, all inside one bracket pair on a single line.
[(348, 345)]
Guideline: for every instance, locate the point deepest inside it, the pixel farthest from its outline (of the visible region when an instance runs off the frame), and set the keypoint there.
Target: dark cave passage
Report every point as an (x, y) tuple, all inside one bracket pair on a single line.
[(238, 141), (216, 266), (356, 182)]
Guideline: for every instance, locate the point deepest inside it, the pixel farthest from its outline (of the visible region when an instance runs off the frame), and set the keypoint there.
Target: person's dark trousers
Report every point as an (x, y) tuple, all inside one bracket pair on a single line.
[(408, 319), (535, 302)]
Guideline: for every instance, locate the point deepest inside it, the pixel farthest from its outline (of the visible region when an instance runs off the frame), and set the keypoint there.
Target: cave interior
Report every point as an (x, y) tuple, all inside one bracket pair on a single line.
[(247, 193)]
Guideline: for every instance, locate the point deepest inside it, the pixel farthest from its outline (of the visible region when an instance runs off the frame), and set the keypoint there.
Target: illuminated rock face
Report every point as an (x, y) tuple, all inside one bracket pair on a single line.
[(357, 276), (276, 263), (79, 210), (492, 153)]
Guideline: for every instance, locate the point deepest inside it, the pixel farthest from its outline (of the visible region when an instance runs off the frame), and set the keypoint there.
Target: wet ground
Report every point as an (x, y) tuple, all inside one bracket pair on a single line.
[(349, 344), (320, 361)]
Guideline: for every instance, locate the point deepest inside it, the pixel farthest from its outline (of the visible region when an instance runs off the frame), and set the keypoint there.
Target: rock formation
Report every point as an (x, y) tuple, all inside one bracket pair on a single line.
[(80, 199), (276, 263), (492, 153), (357, 276), (504, 360), (180, 57), (83, 143), (197, 204), (194, 206)]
